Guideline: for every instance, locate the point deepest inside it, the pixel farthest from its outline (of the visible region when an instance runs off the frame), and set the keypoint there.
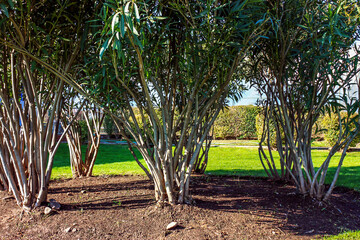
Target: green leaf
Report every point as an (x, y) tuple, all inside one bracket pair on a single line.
[(139, 43), (4, 9), (117, 45), (135, 31), (126, 10), (160, 18), (115, 21), (130, 23), (110, 5), (104, 47), (11, 4), (84, 36), (340, 33), (202, 14), (122, 26), (137, 13)]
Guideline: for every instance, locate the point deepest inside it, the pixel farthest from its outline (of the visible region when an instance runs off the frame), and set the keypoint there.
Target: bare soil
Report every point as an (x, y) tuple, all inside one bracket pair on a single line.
[(123, 207)]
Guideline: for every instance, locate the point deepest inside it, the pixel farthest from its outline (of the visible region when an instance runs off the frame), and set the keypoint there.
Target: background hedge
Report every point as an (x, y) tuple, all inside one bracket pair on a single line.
[(246, 122), (237, 122)]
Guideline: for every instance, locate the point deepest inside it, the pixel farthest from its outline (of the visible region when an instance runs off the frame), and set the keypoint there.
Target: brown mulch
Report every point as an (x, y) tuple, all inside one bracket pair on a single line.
[(123, 207)]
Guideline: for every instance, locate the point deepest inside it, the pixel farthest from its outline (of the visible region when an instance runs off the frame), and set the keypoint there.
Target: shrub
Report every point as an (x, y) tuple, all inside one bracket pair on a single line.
[(109, 126), (330, 123), (236, 122), (260, 130), (84, 131)]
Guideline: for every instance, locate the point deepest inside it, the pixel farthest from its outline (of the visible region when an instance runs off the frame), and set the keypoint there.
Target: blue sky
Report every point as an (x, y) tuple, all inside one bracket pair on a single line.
[(249, 98)]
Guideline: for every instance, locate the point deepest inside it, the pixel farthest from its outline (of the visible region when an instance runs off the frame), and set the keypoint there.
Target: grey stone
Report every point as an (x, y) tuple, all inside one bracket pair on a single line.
[(55, 205), (47, 211), (67, 229), (171, 225)]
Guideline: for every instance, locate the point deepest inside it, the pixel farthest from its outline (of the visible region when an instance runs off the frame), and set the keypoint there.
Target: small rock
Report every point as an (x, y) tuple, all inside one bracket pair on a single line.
[(55, 205), (47, 211), (171, 225), (83, 191), (74, 230), (67, 229), (311, 231)]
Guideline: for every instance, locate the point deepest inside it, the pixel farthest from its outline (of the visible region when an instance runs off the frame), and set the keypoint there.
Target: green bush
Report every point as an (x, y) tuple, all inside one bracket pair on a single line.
[(236, 122), (109, 126), (330, 123), (84, 131), (260, 129)]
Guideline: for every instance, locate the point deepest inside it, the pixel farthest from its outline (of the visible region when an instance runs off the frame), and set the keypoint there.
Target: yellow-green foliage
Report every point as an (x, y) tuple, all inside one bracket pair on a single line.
[(139, 119), (236, 122), (330, 123), (260, 129)]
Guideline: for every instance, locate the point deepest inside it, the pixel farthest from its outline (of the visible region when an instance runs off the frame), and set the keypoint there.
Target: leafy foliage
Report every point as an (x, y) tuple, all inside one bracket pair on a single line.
[(330, 123), (237, 122), (109, 126)]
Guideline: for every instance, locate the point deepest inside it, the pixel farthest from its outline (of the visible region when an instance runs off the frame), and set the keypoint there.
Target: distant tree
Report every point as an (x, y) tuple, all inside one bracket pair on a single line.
[(92, 118)]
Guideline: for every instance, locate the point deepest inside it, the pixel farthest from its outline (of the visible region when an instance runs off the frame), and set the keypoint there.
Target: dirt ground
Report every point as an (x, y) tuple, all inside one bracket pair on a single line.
[(123, 207)]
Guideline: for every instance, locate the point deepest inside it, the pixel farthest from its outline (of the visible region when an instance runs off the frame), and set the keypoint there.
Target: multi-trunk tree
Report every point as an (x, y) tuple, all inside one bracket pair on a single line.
[(35, 48), (174, 57), (78, 134), (304, 69)]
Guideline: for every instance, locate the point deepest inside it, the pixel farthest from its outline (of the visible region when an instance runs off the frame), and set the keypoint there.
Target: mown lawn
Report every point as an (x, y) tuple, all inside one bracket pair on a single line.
[(245, 162), (255, 143), (350, 235), (242, 161), (111, 160)]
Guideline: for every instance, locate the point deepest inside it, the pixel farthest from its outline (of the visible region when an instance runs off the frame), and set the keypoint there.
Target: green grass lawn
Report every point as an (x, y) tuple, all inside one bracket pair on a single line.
[(111, 160), (351, 235), (255, 143), (245, 162), (116, 159)]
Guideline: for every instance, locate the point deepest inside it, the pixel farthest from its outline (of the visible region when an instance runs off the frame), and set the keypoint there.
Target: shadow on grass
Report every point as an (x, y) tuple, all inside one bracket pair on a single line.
[(349, 176)]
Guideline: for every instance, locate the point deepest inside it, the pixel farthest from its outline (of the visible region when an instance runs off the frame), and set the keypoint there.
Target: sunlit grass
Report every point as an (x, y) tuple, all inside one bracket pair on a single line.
[(351, 235), (245, 162), (243, 142), (111, 160), (117, 160)]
